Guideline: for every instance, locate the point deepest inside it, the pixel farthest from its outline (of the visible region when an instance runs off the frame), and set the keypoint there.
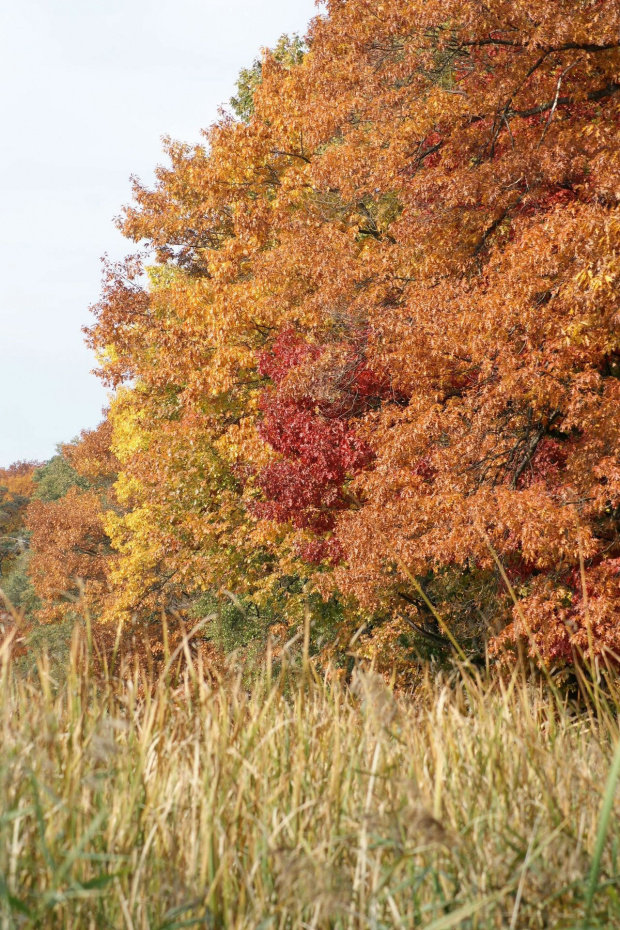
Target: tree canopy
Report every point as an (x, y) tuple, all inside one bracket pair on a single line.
[(369, 345)]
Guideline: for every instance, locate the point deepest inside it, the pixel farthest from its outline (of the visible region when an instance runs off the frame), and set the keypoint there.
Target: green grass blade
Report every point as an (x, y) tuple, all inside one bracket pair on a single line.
[(603, 826)]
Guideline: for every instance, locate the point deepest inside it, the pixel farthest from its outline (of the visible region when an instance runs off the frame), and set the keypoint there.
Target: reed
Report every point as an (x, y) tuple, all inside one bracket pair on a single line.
[(197, 800)]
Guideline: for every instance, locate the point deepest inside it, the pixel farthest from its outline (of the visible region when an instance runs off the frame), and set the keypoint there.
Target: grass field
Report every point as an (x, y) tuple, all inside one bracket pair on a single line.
[(197, 801)]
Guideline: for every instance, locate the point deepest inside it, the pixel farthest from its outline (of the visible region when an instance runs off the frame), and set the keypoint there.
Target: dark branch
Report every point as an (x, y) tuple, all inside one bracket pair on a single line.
[(496, 223), (291, 155), (608, 91), (434, 637)]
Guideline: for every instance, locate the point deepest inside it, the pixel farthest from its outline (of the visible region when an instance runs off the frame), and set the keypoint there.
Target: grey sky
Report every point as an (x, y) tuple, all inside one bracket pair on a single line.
[(88, 87)]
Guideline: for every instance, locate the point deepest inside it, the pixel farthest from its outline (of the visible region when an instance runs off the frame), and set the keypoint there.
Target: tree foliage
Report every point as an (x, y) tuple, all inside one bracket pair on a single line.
[(71, 552), (17, 487), (374, 349)]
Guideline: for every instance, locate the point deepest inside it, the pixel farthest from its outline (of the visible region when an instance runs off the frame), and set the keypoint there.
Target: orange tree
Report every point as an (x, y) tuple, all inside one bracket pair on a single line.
[(378, 344), (16, 488), (71, 554)]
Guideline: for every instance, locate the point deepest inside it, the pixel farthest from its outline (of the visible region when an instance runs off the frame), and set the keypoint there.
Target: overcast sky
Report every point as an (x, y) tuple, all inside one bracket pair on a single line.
[(88, 87)]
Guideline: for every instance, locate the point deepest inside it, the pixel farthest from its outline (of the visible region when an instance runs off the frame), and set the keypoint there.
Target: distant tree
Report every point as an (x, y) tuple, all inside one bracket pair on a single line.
[(55, 478), (289, 51), (17, 486), (71, 555)]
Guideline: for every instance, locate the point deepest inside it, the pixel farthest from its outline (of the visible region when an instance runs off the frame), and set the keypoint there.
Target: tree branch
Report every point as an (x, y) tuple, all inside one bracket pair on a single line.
[(608, 91), (434, 637), (555, 99)]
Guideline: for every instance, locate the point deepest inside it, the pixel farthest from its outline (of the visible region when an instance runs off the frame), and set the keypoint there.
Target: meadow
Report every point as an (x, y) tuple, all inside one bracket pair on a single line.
[(296, 799)]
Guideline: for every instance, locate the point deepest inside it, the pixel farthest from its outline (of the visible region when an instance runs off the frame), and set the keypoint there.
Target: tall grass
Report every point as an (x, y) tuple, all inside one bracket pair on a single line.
[(300, 802)]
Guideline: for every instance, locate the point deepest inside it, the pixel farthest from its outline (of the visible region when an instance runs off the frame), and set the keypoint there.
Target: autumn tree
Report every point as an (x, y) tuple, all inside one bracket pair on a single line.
[(378, 346), (16, 489), (17, 486), (71, 553)]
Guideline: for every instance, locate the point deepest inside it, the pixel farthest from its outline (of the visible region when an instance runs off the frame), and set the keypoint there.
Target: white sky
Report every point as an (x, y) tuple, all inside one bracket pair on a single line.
[(87, 89)]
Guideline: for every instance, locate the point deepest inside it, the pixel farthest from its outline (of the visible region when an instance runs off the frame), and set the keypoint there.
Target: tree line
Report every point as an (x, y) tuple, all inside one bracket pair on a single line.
[(365, 355)]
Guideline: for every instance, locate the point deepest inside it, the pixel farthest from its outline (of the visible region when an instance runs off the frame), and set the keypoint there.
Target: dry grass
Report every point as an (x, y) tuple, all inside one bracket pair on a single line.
[(192, 801)]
